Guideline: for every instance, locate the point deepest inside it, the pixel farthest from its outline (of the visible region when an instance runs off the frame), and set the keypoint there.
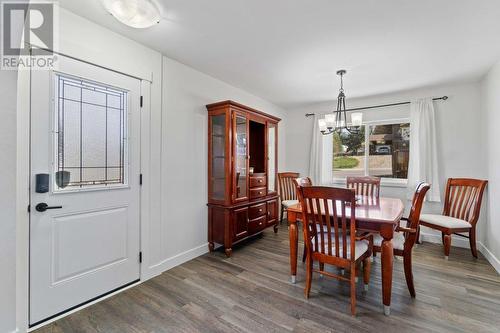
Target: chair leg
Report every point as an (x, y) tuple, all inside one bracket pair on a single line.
[(472, 241), (309, 270), (409, 273), (366, 272), (447, 245), (418, 235), (304, 255), (353, 289), (281, 214), (442, 238)]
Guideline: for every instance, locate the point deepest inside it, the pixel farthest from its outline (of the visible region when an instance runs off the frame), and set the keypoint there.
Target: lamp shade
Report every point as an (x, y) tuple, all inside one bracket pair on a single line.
[(357, 119), (134, 13), (330, 120), (322, 125)]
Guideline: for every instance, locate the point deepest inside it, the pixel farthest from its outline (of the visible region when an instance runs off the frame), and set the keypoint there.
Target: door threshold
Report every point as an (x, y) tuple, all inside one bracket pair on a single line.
[(83, 305)]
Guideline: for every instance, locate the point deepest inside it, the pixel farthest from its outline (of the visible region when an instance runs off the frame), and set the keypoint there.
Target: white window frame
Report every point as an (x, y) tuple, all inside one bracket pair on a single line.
[(388, 182)]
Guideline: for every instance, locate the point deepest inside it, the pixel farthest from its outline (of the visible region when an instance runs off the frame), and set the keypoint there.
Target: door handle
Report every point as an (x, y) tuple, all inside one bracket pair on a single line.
[(42, 207)]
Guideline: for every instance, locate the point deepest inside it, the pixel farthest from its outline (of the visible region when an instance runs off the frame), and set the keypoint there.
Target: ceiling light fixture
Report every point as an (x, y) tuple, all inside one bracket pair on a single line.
[(337, 120), (134, 13)]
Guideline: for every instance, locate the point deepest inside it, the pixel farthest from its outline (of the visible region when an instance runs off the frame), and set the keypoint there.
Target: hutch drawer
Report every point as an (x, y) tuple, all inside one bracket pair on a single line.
[(257, 181), (257, 192), (257, 210), (257, 224)]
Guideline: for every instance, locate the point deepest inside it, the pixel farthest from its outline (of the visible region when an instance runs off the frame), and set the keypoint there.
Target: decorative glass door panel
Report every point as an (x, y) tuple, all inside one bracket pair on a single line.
[(91, 121), (218, 144), (271, 157), (241, 156)]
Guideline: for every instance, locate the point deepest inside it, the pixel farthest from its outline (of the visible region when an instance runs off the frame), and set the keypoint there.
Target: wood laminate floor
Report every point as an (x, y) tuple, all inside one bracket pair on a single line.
[(251, 292)]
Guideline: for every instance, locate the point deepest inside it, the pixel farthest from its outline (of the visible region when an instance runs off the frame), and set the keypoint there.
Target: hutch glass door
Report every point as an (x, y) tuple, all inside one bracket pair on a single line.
[(241, 156), (218, 156)]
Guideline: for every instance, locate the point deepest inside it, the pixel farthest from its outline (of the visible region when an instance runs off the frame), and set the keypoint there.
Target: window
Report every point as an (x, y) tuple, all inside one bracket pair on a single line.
[(379, 149), (90, 140)]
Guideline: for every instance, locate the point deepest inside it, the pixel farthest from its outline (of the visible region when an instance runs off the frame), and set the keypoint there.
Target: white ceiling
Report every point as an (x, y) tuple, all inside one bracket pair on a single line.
[(287, 51)]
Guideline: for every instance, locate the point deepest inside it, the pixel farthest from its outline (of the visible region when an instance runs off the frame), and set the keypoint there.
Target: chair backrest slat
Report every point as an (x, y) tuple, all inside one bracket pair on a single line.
[(463, 198), (336, 228), (329, 220), (328, 226), (367, 186)]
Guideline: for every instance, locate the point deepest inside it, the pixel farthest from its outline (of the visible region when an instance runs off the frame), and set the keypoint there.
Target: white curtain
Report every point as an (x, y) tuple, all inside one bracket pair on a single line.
[(320, 161), (423, 165)]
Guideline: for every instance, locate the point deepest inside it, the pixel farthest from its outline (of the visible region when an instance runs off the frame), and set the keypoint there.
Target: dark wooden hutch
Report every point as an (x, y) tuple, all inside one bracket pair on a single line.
[(242, 166)]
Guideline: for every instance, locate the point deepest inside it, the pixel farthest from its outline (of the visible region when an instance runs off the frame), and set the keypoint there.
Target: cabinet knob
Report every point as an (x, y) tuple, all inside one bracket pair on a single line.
[(260, 180), (260, 210), (260, 192), (260, 223)]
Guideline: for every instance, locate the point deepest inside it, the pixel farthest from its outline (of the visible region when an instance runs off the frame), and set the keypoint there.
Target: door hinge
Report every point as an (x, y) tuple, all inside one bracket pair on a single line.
[(141, 101), (29, 208), (140, 179), (140, 257)]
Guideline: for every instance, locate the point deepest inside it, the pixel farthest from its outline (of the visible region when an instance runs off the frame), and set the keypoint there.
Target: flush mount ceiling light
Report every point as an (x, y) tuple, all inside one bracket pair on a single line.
[(134, 13)]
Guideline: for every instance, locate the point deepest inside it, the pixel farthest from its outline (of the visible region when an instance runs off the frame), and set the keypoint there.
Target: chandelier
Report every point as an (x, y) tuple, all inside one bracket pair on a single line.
[(336, 122)]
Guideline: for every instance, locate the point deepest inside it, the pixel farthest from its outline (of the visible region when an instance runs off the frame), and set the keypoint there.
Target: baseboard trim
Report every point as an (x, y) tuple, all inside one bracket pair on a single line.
[(178, 259), (489, 256), (464, 243)]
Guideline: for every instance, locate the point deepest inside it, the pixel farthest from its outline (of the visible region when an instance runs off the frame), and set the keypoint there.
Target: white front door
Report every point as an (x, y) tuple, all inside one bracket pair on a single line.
[(85, 197)]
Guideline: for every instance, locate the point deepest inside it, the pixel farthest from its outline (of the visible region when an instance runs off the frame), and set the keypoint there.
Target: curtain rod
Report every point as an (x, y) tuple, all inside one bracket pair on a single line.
[(444, 98)]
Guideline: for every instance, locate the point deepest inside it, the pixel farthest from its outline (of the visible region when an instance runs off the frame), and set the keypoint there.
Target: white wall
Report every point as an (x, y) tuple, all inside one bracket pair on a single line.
[(183, 230), (490, 98), (8, 84), (459, 135)]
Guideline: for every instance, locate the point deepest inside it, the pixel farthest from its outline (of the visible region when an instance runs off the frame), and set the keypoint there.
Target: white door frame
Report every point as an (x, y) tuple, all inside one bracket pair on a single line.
[(23, 190)]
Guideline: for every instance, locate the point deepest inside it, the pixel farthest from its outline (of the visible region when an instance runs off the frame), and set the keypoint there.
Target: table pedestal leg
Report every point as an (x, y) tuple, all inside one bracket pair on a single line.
[(387, 258), (294, 244)]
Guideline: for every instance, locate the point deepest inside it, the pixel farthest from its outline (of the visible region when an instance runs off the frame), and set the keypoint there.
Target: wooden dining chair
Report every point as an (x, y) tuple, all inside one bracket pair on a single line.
[(367, 186), (462, 205), (329, 226), (302, 181), (288, 195), (405, 237)]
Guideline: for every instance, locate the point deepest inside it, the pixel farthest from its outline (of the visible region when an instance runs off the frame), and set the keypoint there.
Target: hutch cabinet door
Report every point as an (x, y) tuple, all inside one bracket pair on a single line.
[(240, 162), (272, 156), (218, 163), (272, 212), (240, 222)]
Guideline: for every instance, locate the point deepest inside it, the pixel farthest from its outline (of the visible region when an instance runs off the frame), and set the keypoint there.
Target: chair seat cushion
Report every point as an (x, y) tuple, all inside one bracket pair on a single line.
[(361, 247), (288, 203), (444, 221), (398, 240)]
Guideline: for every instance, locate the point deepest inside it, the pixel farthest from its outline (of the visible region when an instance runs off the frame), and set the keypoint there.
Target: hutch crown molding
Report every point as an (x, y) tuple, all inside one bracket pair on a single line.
[(242, 168)]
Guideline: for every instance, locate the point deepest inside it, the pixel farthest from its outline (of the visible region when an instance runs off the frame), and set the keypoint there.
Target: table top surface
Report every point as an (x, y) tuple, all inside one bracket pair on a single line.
[(383, 210)]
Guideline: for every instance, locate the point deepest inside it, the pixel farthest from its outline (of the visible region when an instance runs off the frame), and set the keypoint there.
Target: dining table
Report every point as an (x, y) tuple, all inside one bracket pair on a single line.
[(375, 215)]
